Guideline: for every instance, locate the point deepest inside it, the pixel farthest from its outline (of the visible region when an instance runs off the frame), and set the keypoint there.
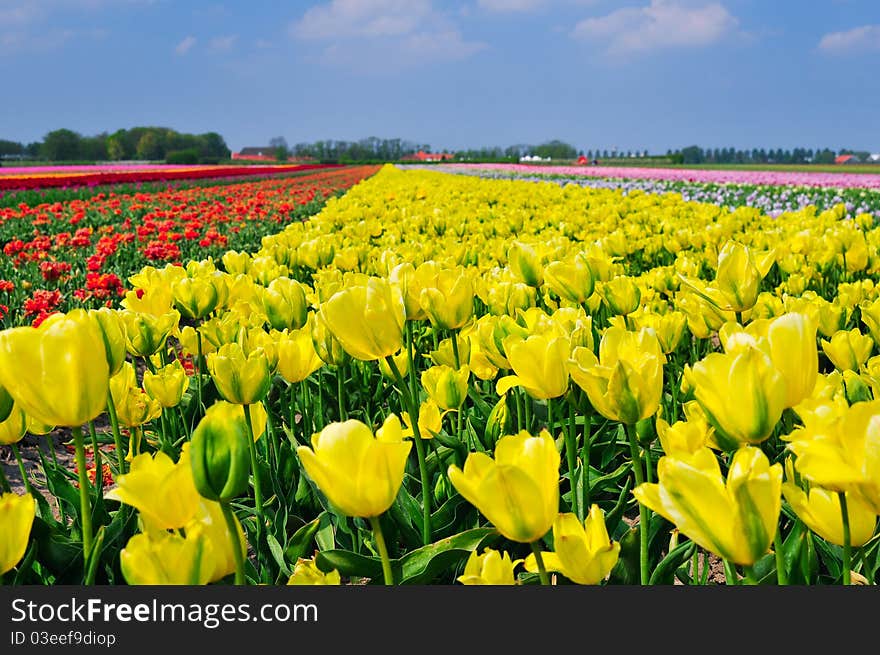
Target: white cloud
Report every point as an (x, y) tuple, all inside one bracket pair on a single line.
[(369, 18), (661, 24), (858, 39), (510, 5), (184, 46), (399, 33), (222, 43)]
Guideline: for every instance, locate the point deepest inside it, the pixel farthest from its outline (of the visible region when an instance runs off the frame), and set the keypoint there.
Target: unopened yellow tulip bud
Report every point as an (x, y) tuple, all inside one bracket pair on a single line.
[(358, 472), (583, 552), (220, 454), (446, 386), (16, 518), (57, 372), (848, 350), (236, 262), (736, 519), (573, 280), (738, 277), (792, 345), (284, 302), (306, 572), (621, 295), (489, 568), (161, 490), (525, 262), (145, 334), (167, 384), (449, 302), (297, 358), (163, 558), (195, 297), (113, 332), (518, 490), (367, 320), (241, 379)]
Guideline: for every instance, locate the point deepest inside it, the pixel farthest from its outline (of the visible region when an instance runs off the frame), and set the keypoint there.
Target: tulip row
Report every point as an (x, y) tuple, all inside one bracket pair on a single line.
[(78, 253), (771, 199), (443, 379), (40, 178)]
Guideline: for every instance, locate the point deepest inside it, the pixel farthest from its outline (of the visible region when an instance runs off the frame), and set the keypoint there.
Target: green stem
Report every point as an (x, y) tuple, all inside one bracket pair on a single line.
[(539, 561), (749, 575), (643, 510), (199, 369), (730, 577), (383, 550), (413, 410), (519, 412), (85, 509), (455, 356), (117, 435), (99, 467), (847, 541), (781, 575), (232, 529), (585, 460), (21, 469), (258, 487), (342, 414)]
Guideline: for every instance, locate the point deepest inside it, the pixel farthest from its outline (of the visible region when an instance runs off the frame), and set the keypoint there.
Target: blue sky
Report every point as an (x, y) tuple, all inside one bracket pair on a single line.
[(631, 74)]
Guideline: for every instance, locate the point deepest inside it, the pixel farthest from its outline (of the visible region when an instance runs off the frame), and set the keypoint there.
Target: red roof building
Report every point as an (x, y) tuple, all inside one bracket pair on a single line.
[(843, 159), (421, 155)]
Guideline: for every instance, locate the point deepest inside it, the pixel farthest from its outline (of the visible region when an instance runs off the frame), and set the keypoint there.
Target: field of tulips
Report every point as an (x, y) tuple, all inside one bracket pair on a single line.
[(44, 177), (442, 379), (771, 199), (79, 253)]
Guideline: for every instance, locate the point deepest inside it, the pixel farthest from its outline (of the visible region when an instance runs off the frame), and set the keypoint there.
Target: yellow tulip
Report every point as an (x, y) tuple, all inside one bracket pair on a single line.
[(401, 361), (306, 572), (684, 437), (842, 453), (146, 334), (163, 558), (16, 518), (358, 472), (870, 313), (489, 568), (449, 299), (621, 295), (167, 384), (820, 510), (583, 552), (738, 277), (446, 386), (133, 406), (792, 348), (162, 491), (747, 375), (735, 519), (241, 379), (327, 346), (196, 297), (525, 262), (518, 490), (211, 523), (540, 364), (13, 427), (571, 280), (113, 331), (57, 372), (848, 350), (430, 420), (368, 320), (285, 305), (297, 358), (625, 382)]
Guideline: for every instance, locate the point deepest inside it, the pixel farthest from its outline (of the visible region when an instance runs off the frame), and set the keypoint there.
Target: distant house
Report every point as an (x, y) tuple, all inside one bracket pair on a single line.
[(846, 159), (526, 158), (421, 155), (264, 153), (875, 157)]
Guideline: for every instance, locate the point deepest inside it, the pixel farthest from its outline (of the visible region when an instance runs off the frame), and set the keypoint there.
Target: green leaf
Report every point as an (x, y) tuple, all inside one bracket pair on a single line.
[(627, 570), (325, 536), (278, 554), (613, 517), (351, 564), (94, 557), (298, 544), (422, 565), (665, 571)]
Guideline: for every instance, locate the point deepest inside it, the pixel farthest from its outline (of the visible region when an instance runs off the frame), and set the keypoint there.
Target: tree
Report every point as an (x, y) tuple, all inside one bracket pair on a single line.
[(62, 145), (10, 148), (149, 147), (280, 148)]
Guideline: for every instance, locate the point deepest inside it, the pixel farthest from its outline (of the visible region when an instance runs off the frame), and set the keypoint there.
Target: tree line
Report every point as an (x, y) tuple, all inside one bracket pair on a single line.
[(700, 155), (137, 143)]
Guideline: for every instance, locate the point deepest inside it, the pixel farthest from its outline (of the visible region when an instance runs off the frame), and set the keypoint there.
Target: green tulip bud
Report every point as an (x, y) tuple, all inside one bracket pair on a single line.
[(219, 453)]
